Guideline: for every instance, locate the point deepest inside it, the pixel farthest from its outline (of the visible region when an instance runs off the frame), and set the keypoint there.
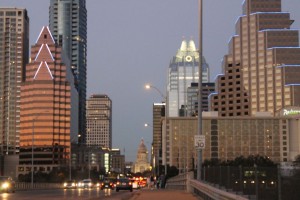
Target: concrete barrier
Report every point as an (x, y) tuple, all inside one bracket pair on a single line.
[(37, 186), (188, 183)]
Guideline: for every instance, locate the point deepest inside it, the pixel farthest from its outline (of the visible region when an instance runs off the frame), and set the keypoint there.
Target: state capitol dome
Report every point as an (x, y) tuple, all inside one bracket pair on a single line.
[(142, 148), (142, 163)]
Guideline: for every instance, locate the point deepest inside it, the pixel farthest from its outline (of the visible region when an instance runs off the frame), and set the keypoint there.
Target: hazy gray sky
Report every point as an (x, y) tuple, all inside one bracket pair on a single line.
[(131, 42)]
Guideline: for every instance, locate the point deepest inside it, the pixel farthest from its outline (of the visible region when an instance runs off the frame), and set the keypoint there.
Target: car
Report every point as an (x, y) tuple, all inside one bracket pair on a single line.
[(7, 184), (124, 184), (85, 183), (135, 184), (107, 184), (70, 184)]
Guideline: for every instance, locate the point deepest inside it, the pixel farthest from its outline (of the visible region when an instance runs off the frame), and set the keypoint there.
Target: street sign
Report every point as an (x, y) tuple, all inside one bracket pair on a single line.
[(199, 141)]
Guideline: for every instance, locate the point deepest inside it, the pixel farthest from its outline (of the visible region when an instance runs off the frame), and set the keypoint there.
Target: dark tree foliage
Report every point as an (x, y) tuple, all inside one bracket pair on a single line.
[(250, 161), (172, 171)]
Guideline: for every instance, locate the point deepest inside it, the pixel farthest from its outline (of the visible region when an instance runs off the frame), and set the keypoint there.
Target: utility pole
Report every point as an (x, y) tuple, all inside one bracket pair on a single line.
[(199, 151)]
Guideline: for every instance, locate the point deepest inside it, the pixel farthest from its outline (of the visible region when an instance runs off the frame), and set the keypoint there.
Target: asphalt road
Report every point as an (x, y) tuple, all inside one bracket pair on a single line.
[(74, 194)]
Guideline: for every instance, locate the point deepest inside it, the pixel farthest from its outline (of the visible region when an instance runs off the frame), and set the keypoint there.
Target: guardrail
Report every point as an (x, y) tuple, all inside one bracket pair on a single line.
[(37, 186), (180, 182), (208, 192)]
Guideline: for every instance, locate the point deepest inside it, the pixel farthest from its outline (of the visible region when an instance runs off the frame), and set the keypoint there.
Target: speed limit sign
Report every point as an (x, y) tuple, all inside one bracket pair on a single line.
[(199, 141)]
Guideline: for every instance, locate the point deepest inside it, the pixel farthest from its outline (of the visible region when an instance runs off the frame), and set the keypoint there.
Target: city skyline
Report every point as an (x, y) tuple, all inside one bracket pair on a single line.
[(129, 45)]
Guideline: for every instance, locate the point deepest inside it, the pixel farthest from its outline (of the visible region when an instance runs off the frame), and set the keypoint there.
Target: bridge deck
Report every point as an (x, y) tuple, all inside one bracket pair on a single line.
[(165, 194)]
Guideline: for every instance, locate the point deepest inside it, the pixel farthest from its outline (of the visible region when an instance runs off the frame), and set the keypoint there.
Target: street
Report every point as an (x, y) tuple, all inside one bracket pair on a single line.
[(74, 194)]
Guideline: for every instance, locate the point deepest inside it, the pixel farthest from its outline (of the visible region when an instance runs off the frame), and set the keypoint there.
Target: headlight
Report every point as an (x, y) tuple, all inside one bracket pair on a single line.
[(90, 184), (73, 184), (65, 184), (5, 185)]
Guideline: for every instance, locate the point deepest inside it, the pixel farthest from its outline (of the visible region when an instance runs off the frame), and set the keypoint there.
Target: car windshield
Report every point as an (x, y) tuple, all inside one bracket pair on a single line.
[(87, 181)]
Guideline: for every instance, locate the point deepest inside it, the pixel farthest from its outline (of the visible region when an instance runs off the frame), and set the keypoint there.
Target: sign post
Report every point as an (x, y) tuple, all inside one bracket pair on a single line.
[(199, 141)]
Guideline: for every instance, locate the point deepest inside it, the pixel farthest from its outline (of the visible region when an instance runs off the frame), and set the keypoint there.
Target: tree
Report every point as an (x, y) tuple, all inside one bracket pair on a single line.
[(172, 171), (250, 161)]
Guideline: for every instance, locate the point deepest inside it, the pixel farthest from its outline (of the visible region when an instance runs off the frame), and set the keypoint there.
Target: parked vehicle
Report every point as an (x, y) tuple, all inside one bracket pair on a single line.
[(124, 184), (7, 184)]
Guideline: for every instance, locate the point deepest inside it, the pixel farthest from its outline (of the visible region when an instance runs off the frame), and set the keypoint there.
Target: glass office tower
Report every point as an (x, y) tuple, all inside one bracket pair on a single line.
[(183, 70), (68, 25)]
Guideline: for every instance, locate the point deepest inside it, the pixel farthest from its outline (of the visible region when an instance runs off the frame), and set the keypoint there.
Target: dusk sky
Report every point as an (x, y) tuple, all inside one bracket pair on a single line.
[(131, 43)]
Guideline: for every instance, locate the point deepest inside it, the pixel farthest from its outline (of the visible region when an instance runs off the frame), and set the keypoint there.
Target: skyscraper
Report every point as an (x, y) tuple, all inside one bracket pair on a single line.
[(261, 72), (46, 105), (99, 121), (183, 70), (156, 153), (14, 44), (68, 24), (192, 97)]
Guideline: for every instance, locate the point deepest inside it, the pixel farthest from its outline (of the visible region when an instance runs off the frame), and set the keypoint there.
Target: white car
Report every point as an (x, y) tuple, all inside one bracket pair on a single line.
[(85, 183)]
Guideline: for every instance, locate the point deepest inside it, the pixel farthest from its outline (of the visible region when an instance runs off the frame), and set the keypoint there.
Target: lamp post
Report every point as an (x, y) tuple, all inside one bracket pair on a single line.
[(32, 144), (164, 133), (153, 156), (199, 151)]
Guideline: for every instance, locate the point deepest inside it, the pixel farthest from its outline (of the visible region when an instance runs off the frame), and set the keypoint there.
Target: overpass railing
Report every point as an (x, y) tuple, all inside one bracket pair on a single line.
[(37, 186), (187, 182)]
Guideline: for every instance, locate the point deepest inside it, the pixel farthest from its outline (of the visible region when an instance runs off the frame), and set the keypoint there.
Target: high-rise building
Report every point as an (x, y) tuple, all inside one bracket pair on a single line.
[(192, 98), (229, 137), (68, 24), (99, 121), (183, 70), (14, 55), (117, 161), (261, 72), (46, 107), (156, 153)]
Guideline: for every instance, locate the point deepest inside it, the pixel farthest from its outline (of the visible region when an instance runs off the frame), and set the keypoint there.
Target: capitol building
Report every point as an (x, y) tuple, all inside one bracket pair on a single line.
[(142, 162)]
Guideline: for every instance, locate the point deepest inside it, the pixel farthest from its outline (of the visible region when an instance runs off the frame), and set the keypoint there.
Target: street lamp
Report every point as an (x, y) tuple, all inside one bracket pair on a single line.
[(199, 151), (164, 132), (32, 144), (147, 125), (153, 154)]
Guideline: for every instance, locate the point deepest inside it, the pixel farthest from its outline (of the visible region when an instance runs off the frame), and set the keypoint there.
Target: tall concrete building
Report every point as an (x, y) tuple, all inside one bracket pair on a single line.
[(192, 98), (14, 55), (231, 137), (99, 121), (156, 152), (68, 24), (117, 161), (261, 72), (46, 107), (183, 70)]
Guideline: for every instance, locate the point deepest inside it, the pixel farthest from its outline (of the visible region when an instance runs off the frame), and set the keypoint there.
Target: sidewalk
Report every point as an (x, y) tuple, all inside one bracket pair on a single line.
[(165, 194)]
